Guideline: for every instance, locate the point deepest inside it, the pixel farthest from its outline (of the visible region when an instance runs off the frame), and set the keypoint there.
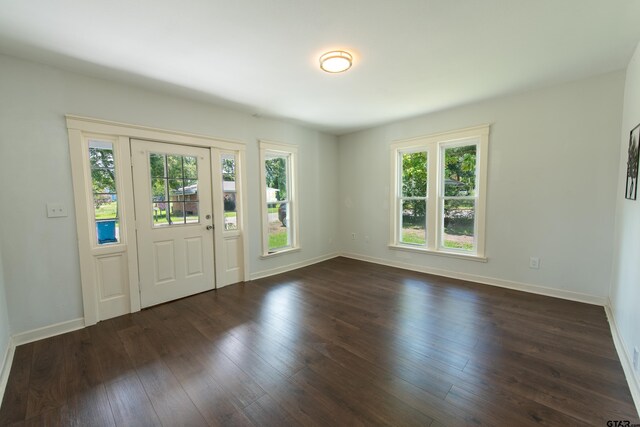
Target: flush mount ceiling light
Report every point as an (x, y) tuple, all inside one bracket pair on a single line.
[(336, 61)]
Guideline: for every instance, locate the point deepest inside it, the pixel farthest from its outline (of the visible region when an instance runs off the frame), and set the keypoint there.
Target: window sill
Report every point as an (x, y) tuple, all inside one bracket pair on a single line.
[(470, 257), (282, 252)]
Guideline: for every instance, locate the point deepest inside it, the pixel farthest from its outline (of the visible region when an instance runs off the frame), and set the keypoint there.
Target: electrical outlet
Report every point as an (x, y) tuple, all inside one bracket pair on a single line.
[(636, 358), (56, 210), (353, 236), (534, 262), (366, 239)]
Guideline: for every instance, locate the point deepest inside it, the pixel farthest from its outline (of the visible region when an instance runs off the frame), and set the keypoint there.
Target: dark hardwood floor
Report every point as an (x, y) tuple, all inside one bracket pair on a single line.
[(338, 343)]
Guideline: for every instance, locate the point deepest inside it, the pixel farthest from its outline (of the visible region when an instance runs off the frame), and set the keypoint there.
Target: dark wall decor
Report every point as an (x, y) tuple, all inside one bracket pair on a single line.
[(631, 189)]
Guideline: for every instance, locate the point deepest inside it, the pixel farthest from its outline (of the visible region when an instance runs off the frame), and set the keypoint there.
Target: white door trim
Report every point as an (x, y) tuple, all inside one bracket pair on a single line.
[(231, 265), (79, 129)]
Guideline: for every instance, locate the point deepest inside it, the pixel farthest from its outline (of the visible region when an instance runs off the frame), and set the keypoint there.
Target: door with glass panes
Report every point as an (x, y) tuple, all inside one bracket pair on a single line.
[(174, 224)]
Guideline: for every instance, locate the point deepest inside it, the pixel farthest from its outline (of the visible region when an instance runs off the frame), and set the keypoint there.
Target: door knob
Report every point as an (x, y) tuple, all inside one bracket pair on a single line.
[(209, 227)]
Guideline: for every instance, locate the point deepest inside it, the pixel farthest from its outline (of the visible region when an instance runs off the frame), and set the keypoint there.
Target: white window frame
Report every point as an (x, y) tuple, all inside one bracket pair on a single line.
[(434, 146), (267, 149), (115, 146), (238, 192)]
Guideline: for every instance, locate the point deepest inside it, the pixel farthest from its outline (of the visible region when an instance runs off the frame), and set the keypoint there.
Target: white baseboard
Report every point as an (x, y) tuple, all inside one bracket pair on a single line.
[(525, 287), (285, 268), (625, 359), (5, 368), (48, 331)]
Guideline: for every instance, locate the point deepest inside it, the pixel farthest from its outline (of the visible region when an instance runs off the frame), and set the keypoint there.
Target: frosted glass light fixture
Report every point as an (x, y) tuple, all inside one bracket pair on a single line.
[(336, 61)]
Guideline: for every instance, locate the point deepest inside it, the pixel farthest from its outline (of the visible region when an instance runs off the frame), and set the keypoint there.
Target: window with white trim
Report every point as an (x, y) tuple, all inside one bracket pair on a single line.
[(102, 164), (279, 204), (439, 189), (228, 163)]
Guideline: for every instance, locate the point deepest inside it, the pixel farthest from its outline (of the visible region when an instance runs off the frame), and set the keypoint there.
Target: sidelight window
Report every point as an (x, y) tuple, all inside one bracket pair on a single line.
[(229, 191), (105, 194)]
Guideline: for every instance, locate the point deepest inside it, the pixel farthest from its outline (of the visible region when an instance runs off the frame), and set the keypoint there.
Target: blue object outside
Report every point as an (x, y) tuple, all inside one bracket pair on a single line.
[(106, 231)]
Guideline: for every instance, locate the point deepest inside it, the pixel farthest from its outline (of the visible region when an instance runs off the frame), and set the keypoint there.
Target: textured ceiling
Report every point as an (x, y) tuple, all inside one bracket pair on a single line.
[(261, 56)]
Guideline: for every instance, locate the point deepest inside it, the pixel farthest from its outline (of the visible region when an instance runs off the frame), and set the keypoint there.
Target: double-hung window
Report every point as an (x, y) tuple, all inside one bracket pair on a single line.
[(279, 202), (439, 189)]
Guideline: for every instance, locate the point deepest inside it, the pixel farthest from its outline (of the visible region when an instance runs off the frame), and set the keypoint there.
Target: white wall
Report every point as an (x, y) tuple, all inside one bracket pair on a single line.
[(42, 275), (4, 318), (625, 284), (554, 159), (553, 162)]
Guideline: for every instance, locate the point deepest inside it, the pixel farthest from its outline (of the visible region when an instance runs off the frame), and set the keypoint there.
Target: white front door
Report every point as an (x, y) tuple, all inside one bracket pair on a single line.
[(174, 225)]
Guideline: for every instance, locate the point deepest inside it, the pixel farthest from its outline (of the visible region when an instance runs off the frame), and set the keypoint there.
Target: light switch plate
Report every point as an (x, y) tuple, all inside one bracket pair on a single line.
[(56, 210)]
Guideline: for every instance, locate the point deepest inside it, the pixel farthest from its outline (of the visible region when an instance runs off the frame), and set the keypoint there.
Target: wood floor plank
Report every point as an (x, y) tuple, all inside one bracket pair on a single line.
[(86, 396), (481, 413), (578, 403), (342, 342), (47, 384), (91, 408), (553, 370), (56, 417), (81, 365), (267, 413), (169, 400), (190, 361), (115, 363), (130, 404), (214, 401), (224, 371), (382, 406), (14, 404), (263, 373), (302, 405), (340, 412)]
